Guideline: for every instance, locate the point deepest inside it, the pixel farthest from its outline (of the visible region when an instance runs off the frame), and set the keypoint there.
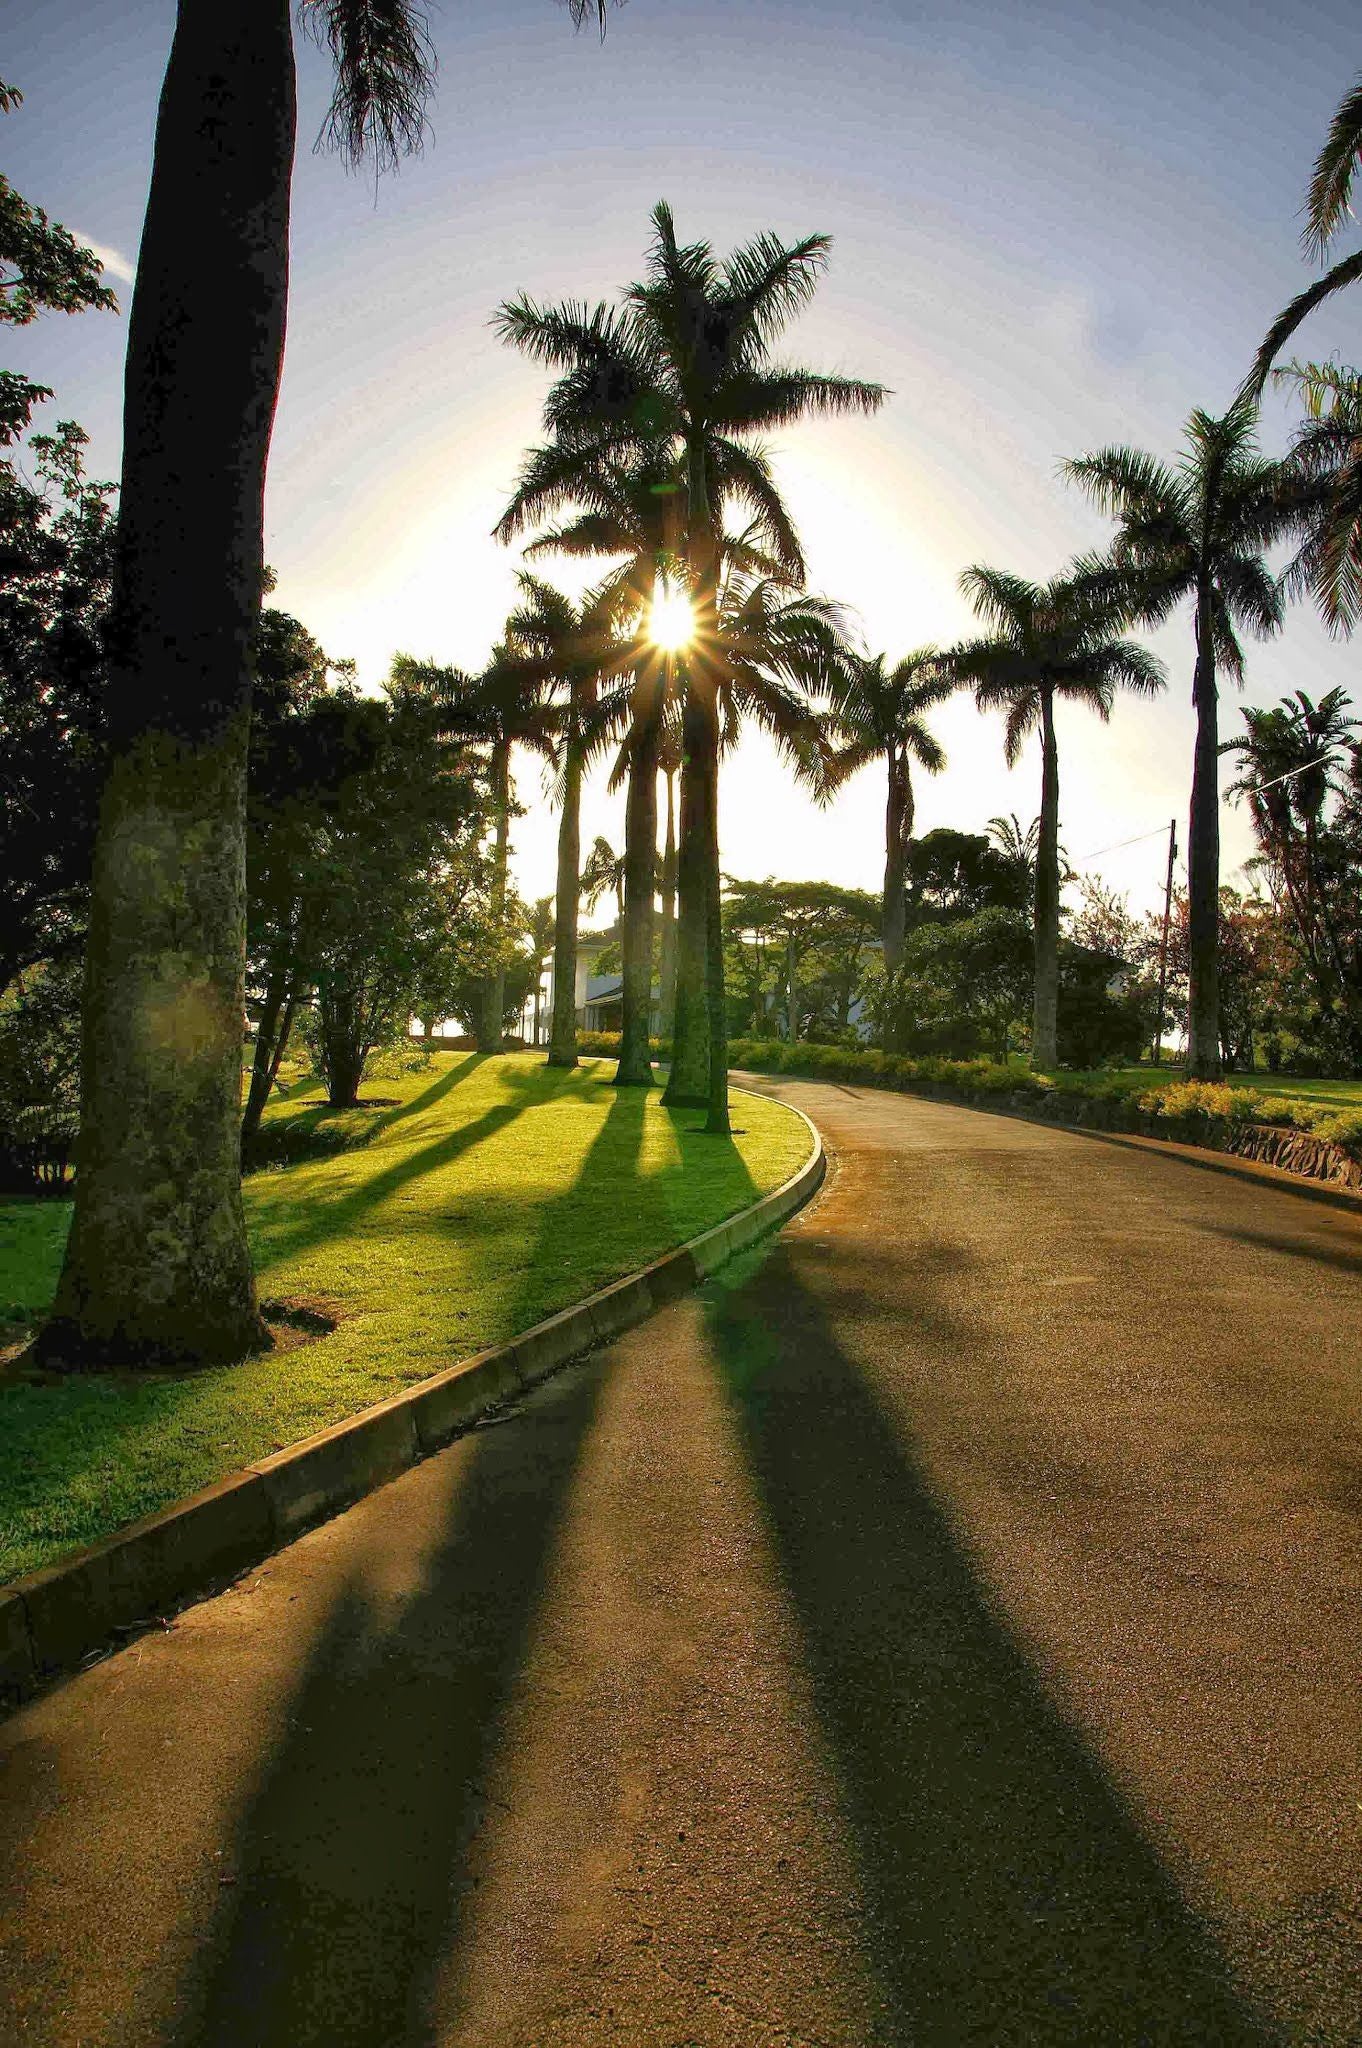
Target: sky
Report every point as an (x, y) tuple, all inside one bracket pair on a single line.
[(1055, 226)]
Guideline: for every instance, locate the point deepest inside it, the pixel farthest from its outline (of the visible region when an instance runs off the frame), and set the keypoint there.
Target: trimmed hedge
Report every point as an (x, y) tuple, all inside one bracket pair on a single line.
[(1192, 1112)]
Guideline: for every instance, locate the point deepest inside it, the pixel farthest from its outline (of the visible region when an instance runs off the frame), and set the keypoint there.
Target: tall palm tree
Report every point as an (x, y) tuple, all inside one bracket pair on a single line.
[(157, 1266), (573, 646), (630, 508), (1322, 484), (688, 360), (1197, 528), (1328, 204), (509, 705), (880, 715), (1048, 641)]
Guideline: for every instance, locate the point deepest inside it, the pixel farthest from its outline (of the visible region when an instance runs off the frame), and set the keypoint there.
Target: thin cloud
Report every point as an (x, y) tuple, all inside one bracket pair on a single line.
[(113, 260)]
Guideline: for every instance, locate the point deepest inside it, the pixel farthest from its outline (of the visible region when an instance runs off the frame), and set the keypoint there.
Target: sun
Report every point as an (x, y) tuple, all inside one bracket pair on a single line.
[(672, 624)]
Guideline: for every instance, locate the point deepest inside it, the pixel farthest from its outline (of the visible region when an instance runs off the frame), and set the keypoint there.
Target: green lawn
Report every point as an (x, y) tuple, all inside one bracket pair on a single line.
[(494, 1193), (1336, 1094)]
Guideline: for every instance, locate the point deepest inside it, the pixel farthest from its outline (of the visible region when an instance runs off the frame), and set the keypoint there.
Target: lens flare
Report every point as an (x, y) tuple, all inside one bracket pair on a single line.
[(672, 623)]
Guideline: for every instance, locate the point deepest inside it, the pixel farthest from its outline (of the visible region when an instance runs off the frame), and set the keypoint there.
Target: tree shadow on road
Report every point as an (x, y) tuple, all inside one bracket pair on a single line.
[(1012, 1896), (354, 1866)]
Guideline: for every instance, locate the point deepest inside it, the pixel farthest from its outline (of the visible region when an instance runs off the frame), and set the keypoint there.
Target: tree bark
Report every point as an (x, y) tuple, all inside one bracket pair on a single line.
[(265, 1064), (688, 1083), (489, 1033), (669, 907), (1045, 999), (157, 1267), (1203, 863), (635, 1069), (563, 1025), (894, 911)]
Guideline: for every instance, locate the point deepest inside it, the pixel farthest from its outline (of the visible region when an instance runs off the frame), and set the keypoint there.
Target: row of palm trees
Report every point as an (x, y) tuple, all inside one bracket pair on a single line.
[(157, 1265), (651, 422)]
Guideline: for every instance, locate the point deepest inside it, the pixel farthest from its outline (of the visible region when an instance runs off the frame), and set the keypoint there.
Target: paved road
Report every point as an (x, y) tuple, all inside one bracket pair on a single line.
[(946, 1630)]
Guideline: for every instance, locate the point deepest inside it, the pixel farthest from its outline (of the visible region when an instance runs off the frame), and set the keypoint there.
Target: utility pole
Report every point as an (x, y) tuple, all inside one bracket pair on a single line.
[(1163, 943)]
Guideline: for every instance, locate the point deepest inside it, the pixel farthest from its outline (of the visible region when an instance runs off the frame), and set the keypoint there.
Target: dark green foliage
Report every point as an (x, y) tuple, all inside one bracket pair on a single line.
[(40, 1077)]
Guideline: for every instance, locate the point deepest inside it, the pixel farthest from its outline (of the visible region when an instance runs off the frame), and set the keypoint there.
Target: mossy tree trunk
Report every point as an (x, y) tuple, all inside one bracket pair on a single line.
[(157, 1268), (635, 1069), (1045, 996), (1203, 861), (563, 1026)]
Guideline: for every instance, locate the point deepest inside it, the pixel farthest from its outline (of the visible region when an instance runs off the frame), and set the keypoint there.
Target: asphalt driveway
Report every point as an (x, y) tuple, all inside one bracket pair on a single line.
[(943, 1629)]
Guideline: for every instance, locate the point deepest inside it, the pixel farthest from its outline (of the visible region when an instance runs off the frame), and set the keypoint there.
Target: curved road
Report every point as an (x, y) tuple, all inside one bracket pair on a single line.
[(943, 1629)]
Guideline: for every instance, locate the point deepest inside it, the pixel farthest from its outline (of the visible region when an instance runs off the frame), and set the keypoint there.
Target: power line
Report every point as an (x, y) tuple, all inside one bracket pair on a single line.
[(1249, 789)]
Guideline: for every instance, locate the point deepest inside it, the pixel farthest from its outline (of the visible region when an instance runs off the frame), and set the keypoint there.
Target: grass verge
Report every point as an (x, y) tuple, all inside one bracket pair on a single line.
[(490, 1194)]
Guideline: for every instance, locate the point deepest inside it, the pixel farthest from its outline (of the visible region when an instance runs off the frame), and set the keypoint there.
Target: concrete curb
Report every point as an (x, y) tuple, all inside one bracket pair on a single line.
[(53, 1620)]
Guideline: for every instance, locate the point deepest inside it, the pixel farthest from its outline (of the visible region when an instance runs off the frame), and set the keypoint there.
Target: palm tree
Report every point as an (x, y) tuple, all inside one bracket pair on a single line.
[(879, 715), (687, 360), (573, 646), (630, 508), (508, 705), (1322, 483), (1327, 206), (157, 1266), (1019, 846), (1197, 529), (1049, 641)]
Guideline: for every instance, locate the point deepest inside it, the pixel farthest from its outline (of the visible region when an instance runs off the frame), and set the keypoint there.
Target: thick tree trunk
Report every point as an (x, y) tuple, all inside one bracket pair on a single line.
[(669, 907), (635, 1069), (157, 1268), (1203, 865), (563, 1026), (688, 1083), (1045, 1001), (893, 915), (489, 1031)]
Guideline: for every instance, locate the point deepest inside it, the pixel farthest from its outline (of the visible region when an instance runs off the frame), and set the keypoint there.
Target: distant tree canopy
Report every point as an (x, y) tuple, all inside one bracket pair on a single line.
[(797, 953), (958, 874)]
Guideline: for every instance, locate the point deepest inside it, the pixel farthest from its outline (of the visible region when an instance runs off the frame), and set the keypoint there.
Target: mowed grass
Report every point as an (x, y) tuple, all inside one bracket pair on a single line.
[(494, 1193), (1287, 1087)]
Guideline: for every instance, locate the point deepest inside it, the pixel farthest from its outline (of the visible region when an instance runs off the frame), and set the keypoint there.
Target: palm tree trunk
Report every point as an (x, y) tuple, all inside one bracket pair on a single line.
[(894, 911), (157, 1267), (1203, 864), (1045, 1002), (494, 988), (635, 1069), (791, 992), (563, 1027), (669, 905), (688, 1083)]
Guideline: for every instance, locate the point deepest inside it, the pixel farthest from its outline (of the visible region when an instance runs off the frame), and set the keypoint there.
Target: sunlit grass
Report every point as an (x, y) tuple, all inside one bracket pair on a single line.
[(497, 1192), (1337, 1094)]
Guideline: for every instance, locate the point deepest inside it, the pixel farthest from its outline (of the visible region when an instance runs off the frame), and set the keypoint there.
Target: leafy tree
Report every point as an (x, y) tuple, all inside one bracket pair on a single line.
[(39, 1075), (953, 875), (688, 361), (157, 1266), (800, 949), (1196, 530), (961, 988), (43, 268), (1049, 641), (56, 549), (878, 715)]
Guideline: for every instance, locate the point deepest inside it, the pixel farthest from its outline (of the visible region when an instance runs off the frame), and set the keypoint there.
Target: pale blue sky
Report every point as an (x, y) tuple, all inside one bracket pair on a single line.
[(1054, 226)]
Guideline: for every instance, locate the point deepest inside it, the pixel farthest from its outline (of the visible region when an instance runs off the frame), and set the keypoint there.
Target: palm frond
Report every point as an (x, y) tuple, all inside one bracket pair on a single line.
[(1287, 321), (385, 68), (1327, 202)]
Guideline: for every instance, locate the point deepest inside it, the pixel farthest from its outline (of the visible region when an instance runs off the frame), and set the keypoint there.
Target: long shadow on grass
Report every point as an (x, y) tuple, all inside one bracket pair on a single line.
[(621, 1212), (317, 1131), (352, 1861), (325, 1218), (1011, 1894)]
